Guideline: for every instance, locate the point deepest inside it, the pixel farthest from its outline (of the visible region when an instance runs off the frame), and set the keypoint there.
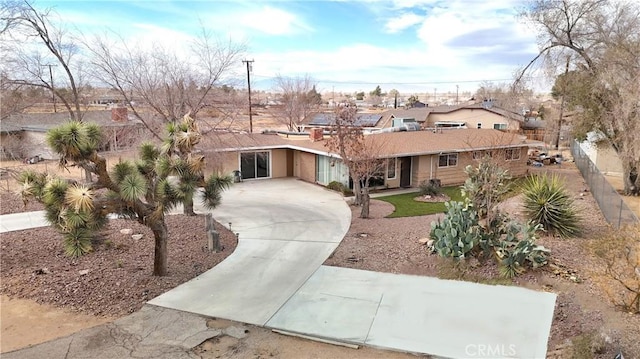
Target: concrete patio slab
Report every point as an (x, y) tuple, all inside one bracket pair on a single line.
[(420, 314)]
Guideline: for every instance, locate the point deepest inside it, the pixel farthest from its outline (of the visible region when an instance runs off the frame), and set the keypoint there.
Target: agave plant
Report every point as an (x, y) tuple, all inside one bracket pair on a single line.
[(547, 202)]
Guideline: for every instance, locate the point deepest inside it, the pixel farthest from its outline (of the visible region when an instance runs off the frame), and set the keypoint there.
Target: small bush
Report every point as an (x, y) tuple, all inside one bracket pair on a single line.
[(335, 186), (339, 187), (547, 202), (619, 276), (430, 188)]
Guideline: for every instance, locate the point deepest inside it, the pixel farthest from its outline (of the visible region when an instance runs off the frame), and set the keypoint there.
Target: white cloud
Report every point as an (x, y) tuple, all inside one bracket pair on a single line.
[(402, 22), (153, 35), (273, 21), (361, 66)]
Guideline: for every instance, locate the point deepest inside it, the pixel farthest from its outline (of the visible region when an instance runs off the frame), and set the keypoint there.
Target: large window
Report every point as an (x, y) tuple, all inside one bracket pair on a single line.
[(499, 126), (255, 165), (448, 160), (391, 168), (512, 154), (331, 169)]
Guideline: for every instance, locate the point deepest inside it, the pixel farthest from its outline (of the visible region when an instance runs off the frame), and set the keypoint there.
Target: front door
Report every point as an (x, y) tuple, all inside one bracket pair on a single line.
[(405, 172)]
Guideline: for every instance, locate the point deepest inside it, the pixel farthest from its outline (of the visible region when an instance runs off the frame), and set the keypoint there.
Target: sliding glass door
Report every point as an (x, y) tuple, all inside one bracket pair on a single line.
[(255, 165)]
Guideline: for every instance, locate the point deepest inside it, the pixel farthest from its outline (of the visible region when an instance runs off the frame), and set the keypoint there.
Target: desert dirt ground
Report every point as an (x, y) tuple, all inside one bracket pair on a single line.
[(25, 322)]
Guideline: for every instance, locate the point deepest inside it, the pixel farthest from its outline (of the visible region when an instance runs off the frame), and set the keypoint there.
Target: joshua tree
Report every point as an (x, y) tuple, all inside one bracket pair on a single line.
[(142, 190), (179, 159)]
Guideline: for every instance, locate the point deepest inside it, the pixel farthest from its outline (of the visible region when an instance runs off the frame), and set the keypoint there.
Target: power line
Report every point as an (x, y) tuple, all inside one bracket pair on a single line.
[(344, 82)]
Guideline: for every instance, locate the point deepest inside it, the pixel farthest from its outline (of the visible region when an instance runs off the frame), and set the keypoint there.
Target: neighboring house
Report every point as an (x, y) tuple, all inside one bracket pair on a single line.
[(480, 115), (602, 154), (412, 157), (24, 135)]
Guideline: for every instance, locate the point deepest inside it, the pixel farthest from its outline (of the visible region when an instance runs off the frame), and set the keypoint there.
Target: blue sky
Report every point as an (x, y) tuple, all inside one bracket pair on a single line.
[(410, 45)]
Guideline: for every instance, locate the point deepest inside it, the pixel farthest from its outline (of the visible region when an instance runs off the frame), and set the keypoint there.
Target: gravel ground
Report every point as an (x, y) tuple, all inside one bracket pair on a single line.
[(115, 279)]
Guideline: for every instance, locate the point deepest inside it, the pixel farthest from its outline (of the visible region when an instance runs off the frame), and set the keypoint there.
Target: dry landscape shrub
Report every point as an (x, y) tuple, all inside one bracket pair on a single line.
[(619, 277)]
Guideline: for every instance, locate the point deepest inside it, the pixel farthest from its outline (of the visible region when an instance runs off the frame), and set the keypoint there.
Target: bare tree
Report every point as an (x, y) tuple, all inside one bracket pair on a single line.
[(600, 39), (15, 98), (299, 99), (33, 66), (160, 86), (361, 155)]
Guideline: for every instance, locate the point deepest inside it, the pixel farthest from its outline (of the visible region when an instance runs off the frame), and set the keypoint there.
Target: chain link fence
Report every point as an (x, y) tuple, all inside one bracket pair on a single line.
[(611, 204)]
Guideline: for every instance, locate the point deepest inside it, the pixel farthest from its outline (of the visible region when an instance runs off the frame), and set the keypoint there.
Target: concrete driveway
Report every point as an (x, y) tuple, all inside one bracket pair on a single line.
[(287, 229), (275, 278)]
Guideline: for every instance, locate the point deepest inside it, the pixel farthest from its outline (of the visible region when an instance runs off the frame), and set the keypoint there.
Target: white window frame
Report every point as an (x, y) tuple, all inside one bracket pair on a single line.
[(500, 126), (448, 160), (395, 167)]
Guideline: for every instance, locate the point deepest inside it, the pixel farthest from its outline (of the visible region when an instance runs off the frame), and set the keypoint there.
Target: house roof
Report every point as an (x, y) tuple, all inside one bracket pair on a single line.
[(394, 144), (42, 122)]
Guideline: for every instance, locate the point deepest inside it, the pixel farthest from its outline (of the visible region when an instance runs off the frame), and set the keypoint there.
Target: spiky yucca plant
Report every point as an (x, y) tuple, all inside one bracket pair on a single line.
[(69, 207), (547, 202)]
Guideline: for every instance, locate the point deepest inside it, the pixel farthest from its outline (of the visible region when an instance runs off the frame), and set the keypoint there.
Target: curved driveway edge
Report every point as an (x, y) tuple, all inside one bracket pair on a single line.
[(287, 228), (21, 221)]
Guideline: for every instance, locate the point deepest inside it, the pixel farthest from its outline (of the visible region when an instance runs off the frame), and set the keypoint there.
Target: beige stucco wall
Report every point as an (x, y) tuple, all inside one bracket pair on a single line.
[(424, 169), (304, 166), (221, 162), (278, 163), (472, 117), (608, 161)]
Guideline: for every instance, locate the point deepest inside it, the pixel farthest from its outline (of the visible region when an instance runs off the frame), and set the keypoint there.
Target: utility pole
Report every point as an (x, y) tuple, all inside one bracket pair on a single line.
[(564, 89), (457, 88), (248, 63), (53, 89)]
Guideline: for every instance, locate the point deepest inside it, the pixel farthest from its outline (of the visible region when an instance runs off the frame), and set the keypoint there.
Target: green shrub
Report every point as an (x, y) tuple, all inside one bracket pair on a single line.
[(339, 187), (335, 186), (516, 249), (547, 202), (458, 234), (429, 188)]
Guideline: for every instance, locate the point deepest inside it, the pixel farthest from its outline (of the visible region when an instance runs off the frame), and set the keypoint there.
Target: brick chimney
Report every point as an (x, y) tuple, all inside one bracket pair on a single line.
[(119, 114), (316, 134)]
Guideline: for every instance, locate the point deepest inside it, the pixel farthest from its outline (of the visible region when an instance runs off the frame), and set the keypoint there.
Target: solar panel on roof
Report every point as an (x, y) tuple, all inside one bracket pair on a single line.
[(367, 120), (323, 119), (363, 120)]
